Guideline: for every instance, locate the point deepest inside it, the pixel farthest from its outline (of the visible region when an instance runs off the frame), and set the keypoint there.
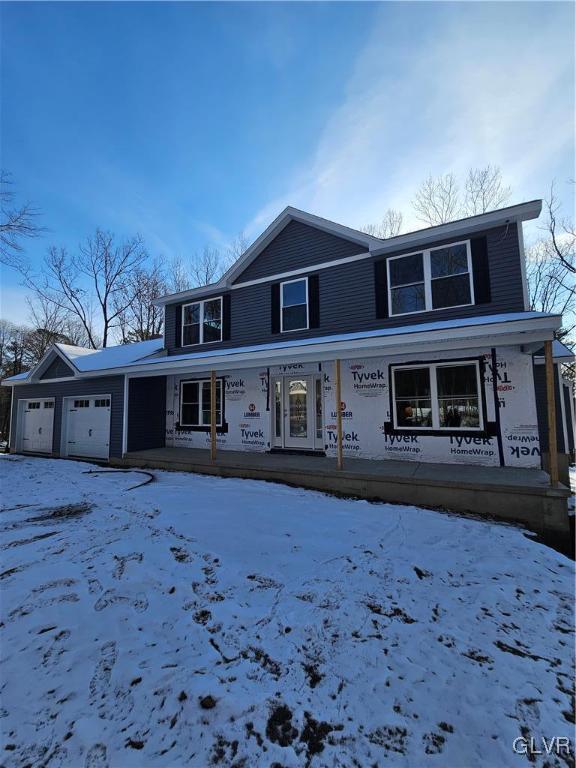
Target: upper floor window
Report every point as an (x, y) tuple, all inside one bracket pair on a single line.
[(431, 279), (294, 305), (202, 322), (440, 396)]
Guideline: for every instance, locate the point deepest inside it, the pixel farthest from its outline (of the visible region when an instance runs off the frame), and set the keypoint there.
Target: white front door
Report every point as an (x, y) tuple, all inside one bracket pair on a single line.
[(299, 412), (37, 426), (88, 426)]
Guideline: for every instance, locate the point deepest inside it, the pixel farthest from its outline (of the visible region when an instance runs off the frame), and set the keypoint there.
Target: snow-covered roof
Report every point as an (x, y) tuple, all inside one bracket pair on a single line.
[(484, 329), (86, 360)]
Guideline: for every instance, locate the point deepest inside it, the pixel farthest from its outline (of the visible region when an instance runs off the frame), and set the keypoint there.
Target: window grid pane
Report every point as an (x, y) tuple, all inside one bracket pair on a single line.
[(294, 293), (451, 291), (410, 298), (407, 270), (212, 321), (452, 260), (294, 318)]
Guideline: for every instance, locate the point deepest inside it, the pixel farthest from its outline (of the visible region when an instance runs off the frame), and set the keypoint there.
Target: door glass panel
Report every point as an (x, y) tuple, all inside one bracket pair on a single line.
[(277, 409), (297, 410)]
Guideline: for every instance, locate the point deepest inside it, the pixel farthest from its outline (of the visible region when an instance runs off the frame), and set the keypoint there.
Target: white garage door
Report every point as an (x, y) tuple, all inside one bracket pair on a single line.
[(37, 426), (88, 426)]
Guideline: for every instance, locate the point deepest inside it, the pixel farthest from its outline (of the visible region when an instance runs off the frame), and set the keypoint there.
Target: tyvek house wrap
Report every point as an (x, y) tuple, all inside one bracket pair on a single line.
[(366, 410)]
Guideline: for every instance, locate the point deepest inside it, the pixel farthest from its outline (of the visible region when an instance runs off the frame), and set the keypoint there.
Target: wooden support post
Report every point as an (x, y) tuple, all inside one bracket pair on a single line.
[(339, 461), (213, 416), (551, 403)]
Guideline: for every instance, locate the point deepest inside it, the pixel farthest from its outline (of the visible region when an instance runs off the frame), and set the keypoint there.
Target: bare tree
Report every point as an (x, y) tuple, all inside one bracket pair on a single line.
[(390, 226), (236, 249), (141, 320), (484, 190), (60, 284), (551, 267), (16, 223), (179, 277), (437, 200), (206, 266), (91, 282)]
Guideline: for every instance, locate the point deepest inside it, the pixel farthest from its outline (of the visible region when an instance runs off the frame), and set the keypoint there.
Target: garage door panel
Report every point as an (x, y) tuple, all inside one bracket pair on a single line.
[(38, 425), (88, 427)]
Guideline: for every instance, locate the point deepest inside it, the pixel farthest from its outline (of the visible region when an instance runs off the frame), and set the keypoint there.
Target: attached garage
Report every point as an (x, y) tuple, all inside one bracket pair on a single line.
[(86, 426), (37, 420)]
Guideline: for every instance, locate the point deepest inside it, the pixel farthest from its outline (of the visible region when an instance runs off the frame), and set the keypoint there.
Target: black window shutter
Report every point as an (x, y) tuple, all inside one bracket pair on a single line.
[(381, 288), (313, 301), (481, 270), (177, 325), (275, 307), (226, 317)]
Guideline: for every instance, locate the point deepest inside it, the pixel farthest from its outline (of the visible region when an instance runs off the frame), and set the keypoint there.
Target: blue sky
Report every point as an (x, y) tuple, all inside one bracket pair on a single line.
[(191, 122)]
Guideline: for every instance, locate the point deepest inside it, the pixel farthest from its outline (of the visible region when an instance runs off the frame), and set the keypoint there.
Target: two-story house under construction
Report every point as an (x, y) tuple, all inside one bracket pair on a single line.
[(410, 352)]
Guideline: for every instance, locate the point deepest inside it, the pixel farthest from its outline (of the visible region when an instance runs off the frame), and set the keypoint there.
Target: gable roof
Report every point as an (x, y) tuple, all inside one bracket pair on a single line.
[(84, 360), (375, 245), (273, 230)]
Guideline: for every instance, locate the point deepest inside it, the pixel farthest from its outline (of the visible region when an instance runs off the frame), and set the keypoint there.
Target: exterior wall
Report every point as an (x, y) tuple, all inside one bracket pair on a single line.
[(245, 413), (348, 299), (146, 413), (366, 394), (57, 369), (103, 385)]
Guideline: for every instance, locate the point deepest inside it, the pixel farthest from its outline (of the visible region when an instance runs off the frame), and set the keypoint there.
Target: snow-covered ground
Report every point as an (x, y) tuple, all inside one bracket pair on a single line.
[(197, 621)]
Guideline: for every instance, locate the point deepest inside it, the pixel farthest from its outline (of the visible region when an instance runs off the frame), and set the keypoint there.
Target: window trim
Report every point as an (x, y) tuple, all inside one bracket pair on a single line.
[(201, 323), (426, 252), (202, 427), (282, 284), (436, 428)]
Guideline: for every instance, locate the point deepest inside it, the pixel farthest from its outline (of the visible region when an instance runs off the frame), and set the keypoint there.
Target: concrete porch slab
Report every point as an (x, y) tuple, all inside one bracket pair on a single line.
[(507, 493)]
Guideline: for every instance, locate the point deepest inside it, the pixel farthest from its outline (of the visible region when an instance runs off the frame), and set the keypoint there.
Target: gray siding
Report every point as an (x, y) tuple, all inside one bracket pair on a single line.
[(57, 369), (103, 385), (347, 299), (297, 246), (542, 408), (147, 413)]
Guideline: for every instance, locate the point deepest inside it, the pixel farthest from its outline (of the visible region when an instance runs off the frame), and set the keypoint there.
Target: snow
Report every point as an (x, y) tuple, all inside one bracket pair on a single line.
[(203, 621), (87, 360)]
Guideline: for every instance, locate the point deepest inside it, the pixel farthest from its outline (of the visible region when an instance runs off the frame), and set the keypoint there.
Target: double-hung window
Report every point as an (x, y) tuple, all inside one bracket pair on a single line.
[(435, 278), (294, 305), (195, 403), (202, 322), (438, 396)]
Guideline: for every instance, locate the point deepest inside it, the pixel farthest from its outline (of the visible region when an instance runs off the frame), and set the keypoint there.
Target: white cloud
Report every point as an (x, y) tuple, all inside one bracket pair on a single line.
[(490, 84)]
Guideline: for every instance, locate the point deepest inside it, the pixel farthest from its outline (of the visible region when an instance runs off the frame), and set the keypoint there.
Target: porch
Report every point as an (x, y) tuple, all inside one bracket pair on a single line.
[(506, 493)]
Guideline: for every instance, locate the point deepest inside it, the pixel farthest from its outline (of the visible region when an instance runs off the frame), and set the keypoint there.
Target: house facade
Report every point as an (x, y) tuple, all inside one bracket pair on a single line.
[(431, 332)]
